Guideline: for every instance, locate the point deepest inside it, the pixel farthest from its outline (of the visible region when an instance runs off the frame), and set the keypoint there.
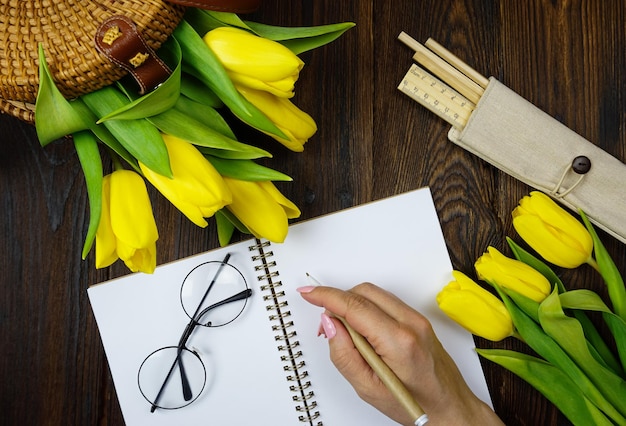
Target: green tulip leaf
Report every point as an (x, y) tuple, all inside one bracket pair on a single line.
[(204, 21), (142, 139), (297, 39), (611, 363), (104, 135), (231, 155), (109, 140), (589, 300), (55, 116), (205, 115), (618, 329), (597, 343), (583, 299), (204, 65), (246, 170), (158, 100), (89, 156), (555, 385), (301, 39), (277, 33), (608, 270), (568, 333), (225, 228), (59, 117), (526, 304), (226, 18), (176, 123), (194, 89), (259, 121), (595, 339), (234, 220), (577, 301), (548, 349)]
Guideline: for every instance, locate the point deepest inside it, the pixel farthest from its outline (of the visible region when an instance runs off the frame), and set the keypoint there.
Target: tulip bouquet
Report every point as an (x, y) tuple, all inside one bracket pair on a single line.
[(176, 137), (582, 373)]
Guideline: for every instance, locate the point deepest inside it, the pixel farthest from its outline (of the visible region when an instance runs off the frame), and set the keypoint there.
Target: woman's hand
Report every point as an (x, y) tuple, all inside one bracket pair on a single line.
[(405, 340)]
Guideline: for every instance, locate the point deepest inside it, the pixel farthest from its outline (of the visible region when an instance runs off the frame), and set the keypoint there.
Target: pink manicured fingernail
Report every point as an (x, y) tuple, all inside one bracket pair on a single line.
[(320, 330), (305, 289), (328, 326)]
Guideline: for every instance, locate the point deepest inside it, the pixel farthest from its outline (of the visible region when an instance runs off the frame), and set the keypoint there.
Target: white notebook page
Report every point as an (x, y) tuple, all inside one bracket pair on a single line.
[(395, 243)]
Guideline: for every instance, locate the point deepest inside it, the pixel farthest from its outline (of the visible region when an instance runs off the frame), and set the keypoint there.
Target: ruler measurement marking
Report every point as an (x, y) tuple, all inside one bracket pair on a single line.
[(454, 94), (436, 96), (437, 88)]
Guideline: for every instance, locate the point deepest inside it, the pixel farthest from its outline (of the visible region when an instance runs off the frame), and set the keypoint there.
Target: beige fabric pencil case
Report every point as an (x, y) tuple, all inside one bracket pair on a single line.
[(518, 138)]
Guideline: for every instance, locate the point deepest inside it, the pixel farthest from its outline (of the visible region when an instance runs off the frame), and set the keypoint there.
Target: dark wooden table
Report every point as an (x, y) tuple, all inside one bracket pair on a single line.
[(566, 56)]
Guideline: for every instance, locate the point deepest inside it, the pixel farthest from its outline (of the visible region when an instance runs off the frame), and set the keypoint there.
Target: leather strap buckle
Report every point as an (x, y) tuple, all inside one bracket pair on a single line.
[(117, 38)]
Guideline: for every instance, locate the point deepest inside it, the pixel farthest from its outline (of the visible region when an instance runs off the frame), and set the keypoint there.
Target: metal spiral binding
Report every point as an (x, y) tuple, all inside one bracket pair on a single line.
[(291, 357), (293, 367), (262, 266), (285, 336), (284, 326), (310, 418), (301, 387), (271, 296), (298, 377), (280, 315), (272, 285), (313, 405), (303, 396), (289, 346), (276, 306)]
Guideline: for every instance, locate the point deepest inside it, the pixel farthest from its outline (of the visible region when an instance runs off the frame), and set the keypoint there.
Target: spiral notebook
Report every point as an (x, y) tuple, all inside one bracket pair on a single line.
[(269, 367)]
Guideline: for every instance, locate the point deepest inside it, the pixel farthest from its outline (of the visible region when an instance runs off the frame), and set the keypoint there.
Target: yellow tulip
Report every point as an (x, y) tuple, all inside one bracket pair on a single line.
[(196, 189), (296, 124), (551, 231), (509, 273), (254, 61), (127, 229), (475, 309), (261, 208)]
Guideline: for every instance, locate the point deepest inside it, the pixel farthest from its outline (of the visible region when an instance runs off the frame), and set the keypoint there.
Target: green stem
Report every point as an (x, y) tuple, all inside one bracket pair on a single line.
[(117, 164), (592, 262), (609, 272)]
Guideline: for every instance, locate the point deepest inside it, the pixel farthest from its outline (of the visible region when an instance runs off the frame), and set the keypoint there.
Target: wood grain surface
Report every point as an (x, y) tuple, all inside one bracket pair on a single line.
[(565, 56)]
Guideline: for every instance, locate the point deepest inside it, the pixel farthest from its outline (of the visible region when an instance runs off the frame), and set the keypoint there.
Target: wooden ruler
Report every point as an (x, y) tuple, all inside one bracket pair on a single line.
[(437, 96), (451, 91)]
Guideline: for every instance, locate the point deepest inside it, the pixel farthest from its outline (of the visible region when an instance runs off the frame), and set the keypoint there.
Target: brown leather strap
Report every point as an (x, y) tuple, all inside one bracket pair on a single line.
[(233, 6), (118, 39)]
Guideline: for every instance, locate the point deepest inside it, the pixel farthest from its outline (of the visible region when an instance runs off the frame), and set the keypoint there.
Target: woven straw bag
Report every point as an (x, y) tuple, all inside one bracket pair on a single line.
[(66, 29)]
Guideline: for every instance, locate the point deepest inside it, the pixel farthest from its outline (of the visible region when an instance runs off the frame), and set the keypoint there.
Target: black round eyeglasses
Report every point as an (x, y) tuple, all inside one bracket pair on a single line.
[(206, 288)]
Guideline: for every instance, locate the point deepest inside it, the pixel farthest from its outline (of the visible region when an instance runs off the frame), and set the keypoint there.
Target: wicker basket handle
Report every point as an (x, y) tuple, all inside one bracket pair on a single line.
[(234, 6)]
